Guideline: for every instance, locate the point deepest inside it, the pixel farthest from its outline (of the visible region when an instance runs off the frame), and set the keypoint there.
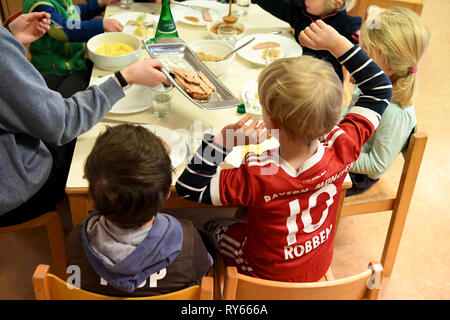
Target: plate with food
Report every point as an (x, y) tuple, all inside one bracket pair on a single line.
[(198, 12), (174, 142), (266, 46), (137, 98), (250, 97), (134, 22)]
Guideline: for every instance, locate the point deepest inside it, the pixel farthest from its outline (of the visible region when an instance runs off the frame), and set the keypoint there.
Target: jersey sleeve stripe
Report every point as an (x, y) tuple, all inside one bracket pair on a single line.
[(370, 115), (334, 137)]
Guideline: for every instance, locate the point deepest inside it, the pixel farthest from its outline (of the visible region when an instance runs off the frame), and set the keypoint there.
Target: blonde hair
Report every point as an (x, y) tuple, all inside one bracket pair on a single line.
[(303, 95), (345, 4), (400, 37)]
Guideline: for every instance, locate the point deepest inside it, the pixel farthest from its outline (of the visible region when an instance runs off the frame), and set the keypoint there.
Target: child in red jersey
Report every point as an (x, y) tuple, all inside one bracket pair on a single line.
[(291, 192)]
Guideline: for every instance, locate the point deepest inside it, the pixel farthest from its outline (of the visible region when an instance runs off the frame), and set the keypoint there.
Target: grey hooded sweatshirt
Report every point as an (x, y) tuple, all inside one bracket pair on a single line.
[(31, 113), (165, 257)]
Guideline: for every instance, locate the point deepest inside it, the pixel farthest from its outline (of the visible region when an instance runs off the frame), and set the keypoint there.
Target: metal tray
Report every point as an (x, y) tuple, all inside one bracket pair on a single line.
[(174, 52)]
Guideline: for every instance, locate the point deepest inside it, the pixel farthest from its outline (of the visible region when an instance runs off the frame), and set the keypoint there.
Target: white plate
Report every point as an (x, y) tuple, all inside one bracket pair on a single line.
[(251, 90), (137, 98), (124, 17), (216, 9), (176, 142), (288, 46), (236, 156)]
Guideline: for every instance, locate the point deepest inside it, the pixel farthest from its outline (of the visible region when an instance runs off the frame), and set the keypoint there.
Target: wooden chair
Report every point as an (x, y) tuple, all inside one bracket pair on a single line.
[(363, 286), (379, 198), (360, 7), (48, 286), (52, 221)]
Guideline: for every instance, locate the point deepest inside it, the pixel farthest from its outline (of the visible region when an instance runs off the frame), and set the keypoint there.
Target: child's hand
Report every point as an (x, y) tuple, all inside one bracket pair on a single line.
[(146, 72), (321, 36), (238, 133), (112, 25)]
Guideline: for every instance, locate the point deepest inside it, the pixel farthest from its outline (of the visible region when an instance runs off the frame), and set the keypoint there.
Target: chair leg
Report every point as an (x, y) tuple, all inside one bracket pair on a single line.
[(393, 237), (57, 245)]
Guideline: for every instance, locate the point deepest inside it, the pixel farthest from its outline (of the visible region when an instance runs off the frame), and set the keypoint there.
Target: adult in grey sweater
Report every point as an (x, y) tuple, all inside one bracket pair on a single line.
[(36, 123)]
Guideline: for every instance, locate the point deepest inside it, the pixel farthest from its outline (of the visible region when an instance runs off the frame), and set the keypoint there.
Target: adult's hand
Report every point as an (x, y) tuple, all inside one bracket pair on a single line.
[(29, 27), (159, 1), (112, 25), (146, 72)]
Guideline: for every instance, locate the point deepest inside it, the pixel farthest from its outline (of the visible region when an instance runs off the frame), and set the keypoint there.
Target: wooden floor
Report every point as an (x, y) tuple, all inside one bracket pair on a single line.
[(421, 270)]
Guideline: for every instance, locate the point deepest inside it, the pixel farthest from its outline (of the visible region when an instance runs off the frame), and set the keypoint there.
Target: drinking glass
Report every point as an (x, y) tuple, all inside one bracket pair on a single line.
[(126, 4), (252, 102), (228, 33), (162, 100), (242, 7), (197, 130)]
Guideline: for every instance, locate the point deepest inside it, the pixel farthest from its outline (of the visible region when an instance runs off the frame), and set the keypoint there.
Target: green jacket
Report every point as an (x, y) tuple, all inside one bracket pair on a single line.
[(53, 53)]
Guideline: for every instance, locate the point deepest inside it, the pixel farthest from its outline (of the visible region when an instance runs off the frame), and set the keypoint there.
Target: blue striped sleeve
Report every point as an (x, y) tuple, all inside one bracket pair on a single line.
[(89, 10), (375, 86), (194, 182), (72, 31)]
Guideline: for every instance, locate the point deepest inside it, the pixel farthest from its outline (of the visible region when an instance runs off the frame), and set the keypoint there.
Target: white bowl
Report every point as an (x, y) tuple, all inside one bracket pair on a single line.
[(217, 48), (113, 63), (214, 34)]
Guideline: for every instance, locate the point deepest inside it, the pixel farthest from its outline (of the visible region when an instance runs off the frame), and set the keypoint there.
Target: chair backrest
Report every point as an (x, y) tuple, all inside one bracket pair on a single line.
[(361, 6), (365, 285), (370, 201), (47, 286)]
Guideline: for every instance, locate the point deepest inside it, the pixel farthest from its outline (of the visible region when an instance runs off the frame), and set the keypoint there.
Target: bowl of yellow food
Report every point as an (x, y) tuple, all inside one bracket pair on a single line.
[(212, 52), (114, 50)]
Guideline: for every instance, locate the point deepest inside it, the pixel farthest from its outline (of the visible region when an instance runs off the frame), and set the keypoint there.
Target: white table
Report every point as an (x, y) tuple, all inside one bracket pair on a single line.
[(183, 111)]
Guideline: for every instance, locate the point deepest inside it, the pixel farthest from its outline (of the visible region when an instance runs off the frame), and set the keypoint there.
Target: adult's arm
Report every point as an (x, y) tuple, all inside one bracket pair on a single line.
[(29, 107)]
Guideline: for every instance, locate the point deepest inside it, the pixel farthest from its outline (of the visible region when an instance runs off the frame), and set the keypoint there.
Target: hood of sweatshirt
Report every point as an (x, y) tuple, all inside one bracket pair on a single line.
[(127, 257)]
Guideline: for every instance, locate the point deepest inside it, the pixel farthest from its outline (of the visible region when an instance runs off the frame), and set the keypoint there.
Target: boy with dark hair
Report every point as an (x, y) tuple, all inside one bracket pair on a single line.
[(126, 247)]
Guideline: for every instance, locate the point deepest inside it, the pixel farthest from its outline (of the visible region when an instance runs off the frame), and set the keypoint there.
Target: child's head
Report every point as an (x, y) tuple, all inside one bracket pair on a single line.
[(322, 8), (396, 40), (130, 174), (302, 96)]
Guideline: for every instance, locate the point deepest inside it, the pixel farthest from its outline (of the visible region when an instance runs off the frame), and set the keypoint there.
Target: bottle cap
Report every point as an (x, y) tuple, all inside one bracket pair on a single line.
[(241, 108)]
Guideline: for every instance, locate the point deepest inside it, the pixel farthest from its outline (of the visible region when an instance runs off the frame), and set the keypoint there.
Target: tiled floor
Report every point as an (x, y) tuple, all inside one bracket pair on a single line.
[(421, 270)]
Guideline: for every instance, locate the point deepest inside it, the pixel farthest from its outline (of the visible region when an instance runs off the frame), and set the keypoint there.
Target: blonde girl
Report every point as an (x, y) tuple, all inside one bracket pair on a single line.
[(395, 39)]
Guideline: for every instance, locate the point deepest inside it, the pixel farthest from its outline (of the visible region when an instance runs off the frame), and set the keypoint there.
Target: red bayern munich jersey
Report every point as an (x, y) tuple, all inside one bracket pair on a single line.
[(291, 213)]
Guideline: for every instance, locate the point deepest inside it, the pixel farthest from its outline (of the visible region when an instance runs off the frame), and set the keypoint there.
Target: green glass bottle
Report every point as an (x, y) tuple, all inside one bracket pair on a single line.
[(166, 24)]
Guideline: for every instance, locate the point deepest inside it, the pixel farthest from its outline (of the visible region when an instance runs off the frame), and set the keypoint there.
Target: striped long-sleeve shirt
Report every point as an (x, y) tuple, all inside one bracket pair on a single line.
[(291, 213)]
